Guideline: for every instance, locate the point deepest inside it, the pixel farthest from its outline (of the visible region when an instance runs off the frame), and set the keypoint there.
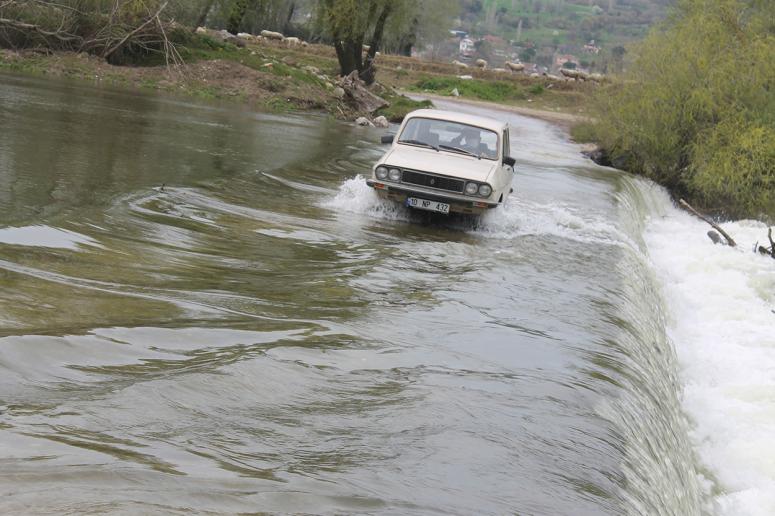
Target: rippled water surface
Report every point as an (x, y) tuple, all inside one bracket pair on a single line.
[(205, 309)]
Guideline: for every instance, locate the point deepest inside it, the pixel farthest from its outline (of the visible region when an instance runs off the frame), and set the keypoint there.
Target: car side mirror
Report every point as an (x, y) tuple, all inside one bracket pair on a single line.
[(508, 160), (388, 138)]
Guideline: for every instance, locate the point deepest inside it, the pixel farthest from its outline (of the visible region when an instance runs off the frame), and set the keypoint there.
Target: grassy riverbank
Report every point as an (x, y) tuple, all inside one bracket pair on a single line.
[(272, 76)]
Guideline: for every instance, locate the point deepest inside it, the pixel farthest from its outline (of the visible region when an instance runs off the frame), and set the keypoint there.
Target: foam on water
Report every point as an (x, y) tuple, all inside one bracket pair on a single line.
[(355, 196), (520, 217), (720, 301), (517, 218)]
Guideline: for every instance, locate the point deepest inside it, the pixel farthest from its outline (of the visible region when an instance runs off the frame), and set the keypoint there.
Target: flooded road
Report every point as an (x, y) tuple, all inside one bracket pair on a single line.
[(206, 310)]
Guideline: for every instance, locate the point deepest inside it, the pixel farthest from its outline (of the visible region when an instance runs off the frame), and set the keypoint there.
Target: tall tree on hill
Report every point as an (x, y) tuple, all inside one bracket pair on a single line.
[(352, 24)]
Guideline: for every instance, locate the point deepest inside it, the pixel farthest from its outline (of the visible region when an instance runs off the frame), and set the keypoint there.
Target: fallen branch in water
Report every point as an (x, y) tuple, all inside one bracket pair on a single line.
[(715, 226)]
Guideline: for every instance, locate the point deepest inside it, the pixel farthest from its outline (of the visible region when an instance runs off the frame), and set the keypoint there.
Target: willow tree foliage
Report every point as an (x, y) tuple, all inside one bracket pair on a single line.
[(696, 111)]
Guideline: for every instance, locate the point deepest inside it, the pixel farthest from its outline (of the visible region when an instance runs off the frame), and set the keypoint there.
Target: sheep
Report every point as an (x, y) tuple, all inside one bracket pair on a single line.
[(535, 75), (201, 30), (245, 35), (268, 34), (571, 74), (499, 70), (292, 42), (459, 64), (481, 63), (597, 77), (515, 67)]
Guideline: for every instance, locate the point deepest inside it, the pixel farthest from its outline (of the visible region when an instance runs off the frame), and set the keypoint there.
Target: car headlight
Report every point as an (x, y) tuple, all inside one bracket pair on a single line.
[(381, 173), (394, 174), (472, 188), (485, 190)]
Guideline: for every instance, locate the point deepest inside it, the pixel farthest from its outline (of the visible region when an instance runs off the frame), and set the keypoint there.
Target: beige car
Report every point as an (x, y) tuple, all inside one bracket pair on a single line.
[(446, 162)]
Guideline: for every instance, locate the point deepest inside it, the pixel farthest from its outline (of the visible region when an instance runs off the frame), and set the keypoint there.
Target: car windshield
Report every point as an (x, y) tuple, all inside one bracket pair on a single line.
[(450, 137)]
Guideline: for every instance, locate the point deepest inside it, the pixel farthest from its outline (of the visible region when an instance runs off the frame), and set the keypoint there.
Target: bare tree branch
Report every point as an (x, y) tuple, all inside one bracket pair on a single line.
[(28, 27), (713, 224), (126, 38)]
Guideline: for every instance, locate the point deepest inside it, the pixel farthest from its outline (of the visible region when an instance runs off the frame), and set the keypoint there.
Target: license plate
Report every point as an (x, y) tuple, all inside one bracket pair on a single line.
[(424, 204)]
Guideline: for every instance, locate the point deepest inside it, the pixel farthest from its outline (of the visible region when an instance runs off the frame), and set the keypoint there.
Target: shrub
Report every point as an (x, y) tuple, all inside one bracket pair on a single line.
[(696, 111)]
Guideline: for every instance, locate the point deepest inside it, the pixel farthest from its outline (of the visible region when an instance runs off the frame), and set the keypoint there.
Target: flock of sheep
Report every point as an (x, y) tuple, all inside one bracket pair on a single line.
[(265, 35), (567, 74), (268, 35)]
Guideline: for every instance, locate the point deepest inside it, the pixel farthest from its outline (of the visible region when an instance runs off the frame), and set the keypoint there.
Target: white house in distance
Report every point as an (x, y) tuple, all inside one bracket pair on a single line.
[(467, 48)]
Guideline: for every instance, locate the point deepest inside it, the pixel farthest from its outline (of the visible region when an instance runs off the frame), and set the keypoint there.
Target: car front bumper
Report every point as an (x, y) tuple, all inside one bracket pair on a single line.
[(457, 203)]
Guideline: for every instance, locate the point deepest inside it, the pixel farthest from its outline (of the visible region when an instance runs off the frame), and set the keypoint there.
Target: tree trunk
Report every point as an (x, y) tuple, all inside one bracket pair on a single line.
[(287, 26), (349, 55), (368, 72), (204, 13), (409, 40), (237, 13)]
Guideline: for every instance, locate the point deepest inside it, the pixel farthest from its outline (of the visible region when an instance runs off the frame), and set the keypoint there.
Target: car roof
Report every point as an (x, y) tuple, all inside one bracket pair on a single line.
[(462, 118)]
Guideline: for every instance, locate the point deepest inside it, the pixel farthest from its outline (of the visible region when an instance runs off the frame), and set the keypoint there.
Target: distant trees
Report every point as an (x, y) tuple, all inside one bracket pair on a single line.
[(419, 23), (697, 109)]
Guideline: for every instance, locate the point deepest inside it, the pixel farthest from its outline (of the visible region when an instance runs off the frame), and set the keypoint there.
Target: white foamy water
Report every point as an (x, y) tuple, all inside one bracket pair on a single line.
[(720, 302), (355, 196)]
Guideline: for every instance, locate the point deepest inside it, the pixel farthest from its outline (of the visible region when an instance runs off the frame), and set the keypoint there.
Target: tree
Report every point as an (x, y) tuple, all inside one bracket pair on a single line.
[(618, 55), (419, 23), (528, 54), (351, 24), (238, 10), (201, 18)]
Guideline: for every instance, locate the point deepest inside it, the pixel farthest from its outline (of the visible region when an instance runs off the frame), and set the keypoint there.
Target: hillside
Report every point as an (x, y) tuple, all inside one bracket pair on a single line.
[(592, 31)]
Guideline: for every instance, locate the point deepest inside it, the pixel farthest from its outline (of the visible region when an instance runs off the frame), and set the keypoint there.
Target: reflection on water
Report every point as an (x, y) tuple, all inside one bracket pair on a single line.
[(206, 309)]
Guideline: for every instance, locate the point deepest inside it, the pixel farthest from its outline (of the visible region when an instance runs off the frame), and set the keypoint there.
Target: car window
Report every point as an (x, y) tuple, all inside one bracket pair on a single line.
[(450, 135)]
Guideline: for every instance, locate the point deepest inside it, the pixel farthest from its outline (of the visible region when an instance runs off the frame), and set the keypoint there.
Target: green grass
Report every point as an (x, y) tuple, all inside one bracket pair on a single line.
[(492, 91), (400, 106)]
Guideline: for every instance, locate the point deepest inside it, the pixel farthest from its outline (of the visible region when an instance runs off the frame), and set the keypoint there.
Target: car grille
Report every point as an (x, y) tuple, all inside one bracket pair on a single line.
[(440, 183)]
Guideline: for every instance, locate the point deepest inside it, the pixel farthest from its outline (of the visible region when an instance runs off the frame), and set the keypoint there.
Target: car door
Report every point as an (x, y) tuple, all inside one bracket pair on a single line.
[(507, 171)]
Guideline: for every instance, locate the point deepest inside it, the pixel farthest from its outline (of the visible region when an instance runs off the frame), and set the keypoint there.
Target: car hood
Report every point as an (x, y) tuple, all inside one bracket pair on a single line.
[(442, 163)]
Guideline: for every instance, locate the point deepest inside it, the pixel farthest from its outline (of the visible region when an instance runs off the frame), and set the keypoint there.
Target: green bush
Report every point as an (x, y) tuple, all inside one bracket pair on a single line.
[(733, 165), (696, 111)]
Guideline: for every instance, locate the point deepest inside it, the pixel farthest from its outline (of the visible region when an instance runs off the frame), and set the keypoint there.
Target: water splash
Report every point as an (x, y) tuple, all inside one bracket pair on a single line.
[(355, 196)]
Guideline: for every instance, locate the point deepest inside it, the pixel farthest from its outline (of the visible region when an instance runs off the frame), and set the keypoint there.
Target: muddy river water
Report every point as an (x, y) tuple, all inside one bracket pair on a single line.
[(206, 310)]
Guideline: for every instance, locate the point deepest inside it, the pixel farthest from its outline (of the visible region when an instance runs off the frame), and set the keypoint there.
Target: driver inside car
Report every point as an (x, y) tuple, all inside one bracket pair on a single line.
[(470, 140)]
